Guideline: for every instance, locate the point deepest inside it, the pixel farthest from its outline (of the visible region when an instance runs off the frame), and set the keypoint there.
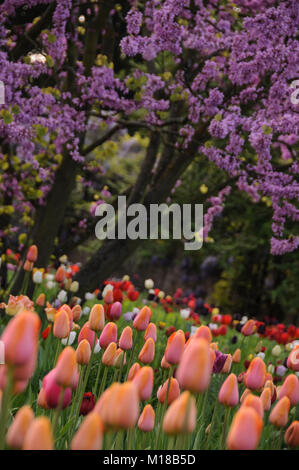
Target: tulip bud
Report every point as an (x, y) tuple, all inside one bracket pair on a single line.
[(125, 340), (108, 335), (41, 400), (173, 393), (147, 352), (245, 430), (276, 351), (108, 297), (115, 311), (90, 434), (60, 274), (142, 319), (165, 364), (203, 332), (74, 287), (266, 398), (39, 435), (19, 427), (227, 365), (291, 436), (28, 266), (52, 391), (229, 392), (61, 327), (237, 356), (175, 347), (133, 371), (87, 333), (148, 284), (97, 318), (151, 332), (180, 417), (255, 403), (280, 413), (109, 354), (66, 369), (119, 358), (32, 254), (293, 359), (249, 328), (146, 422), (244, 394), (144, 379), (255, 376), (290, 388), (40, 301), (194, 371), (83, 352), (119, 406)]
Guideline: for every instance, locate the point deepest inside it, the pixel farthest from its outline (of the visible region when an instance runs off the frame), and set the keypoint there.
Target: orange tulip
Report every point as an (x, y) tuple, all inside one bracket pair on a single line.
[(41, 400), (97, 318), (229, 392), (60, 274), (237, 356), (175, 347), (290, 388), (227, 365), (32, 254), (83, 352), (90, 434), (214, 346), (291, 436), (133, 371), (126, 339), (28, 266), (151, 332), (108, 356), (245, 394), (61, 327), (249, 328), (255, 403), (165, 364), (142, 319), (144, 380), (280, 413), (194, 371), (266, 398), (66, 370), (203, 332), (147, 352), (108, 335), (40, 301), (76, 312), (146, 420), (173, 393), (108, 299), (245, 430), (180, 417), (87, 333), (119, 358), (124, 403), (255, 376), (39, 435), (18, 428)]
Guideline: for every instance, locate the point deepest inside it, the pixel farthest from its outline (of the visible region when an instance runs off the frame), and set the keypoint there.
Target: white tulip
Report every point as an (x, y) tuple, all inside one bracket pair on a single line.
[(85, 311), (37, 277), (148, 283), (62, 296), (89, 296), (69, 339), (185, 312)]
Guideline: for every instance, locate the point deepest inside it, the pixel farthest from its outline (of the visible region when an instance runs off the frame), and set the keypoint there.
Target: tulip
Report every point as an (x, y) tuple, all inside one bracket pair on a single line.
[(142, 319), (60, 274), (290, 388), (237, 356), (87, 333), (276, 351), (97, 318), (245, 394), (248, 328), (90, 434), (28, 266), (119, 358), (39, 435), (109, 354), (83, 352), (148, 284), (291, 436), (144, 380), (173, 393), (74, 287), (88, 403), (41, 400), (119, 405), (180, 417), (151, 332), (255, 403), (147, 352), (269, 384), (108, 335), (194, 371), (203, 332), (52, 391), (133, 371), (255, 376), (175, 347), (280, 413), (229, 392), (227, 365), (146, 420), (293, 359), (165, 364), (266, 398), (108, 297), (125, 340), (115, 311), (61, 327), (66, 369), (41, 299), (18, 428), (245, 430), (32, 254), (76, 312)]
